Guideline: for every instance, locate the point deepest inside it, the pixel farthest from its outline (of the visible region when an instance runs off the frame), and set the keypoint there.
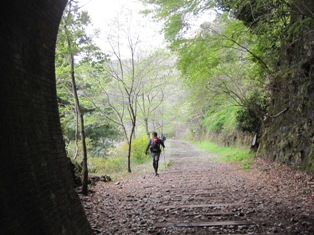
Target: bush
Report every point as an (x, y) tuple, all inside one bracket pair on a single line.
[(220, 119), (96, 164), (109, 165), (248, 120), (138, 150), (115, 164)]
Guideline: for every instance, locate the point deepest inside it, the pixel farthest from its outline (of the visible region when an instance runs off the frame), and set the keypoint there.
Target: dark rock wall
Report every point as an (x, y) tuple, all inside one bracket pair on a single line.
[(289, 136), (36, 190)]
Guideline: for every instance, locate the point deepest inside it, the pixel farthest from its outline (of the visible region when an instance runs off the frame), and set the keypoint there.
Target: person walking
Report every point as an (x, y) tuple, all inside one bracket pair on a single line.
[(155, 150), (163, 137)]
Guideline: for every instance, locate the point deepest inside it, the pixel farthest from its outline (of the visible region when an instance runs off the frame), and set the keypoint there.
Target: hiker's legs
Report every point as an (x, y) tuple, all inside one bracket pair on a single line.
[(154, 164), (156, 160), (155, 157)]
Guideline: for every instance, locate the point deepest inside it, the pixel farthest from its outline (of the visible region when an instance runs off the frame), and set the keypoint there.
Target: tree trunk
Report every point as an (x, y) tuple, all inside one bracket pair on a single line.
[(76, 135), (130, 144), (81, 120), (85, 169), (129, 155), (146, 127)]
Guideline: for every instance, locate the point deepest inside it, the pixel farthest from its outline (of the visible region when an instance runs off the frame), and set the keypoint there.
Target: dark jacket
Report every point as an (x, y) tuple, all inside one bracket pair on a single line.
[(159, 142)]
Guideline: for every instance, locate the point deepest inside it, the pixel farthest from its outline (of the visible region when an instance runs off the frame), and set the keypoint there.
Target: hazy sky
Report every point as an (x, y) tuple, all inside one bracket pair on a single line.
[(102, 10), (104, 14)]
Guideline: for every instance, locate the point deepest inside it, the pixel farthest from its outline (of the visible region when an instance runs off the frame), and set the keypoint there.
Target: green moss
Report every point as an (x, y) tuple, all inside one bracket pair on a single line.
[(308, 163)]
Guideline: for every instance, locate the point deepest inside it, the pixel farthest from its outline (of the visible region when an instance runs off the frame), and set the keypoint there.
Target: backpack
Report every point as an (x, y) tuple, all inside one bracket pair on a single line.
[(155, 145)]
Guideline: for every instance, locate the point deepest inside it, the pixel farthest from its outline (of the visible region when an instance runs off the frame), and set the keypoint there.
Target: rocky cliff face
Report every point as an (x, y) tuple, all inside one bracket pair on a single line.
[(288, 134)]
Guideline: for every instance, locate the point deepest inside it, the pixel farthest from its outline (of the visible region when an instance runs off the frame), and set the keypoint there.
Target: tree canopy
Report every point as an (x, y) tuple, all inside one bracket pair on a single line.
[(218, 75)]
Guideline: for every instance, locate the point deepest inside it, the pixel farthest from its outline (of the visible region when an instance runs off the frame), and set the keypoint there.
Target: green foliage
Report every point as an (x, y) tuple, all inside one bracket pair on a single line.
[(138, 150), (115, 165), (96, 165), (102, 135), (74, 40), (173, 26), (248, 121), (278, 24), (112, 165), (72, 150), (223, 68), (229, 154), (177, 15), (249, 118), (229, 59), (220, 118), (240, 58)]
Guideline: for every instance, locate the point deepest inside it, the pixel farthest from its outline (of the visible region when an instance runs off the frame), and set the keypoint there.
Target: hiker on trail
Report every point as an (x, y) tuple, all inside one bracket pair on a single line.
[(163, 137), (154, 147)]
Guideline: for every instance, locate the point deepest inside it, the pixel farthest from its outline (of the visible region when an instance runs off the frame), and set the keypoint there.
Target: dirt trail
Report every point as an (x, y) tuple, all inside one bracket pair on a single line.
[(197, 195)]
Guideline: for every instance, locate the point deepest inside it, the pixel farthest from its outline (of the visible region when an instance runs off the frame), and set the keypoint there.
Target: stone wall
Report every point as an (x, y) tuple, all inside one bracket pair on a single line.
[(289, 135), (36, 192)]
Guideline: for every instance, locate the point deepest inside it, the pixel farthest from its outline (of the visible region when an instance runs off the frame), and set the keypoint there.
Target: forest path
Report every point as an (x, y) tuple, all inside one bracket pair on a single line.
[(197, 195)]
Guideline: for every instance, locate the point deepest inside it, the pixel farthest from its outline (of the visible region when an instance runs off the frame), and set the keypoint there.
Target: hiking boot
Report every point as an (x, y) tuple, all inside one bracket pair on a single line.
[(156, 174)]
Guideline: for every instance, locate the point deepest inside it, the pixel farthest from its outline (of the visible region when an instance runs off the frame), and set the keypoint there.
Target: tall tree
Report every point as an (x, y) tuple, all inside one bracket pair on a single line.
[(123, 73), (73, 42), (134, 79), (157, 70), (222, 61)]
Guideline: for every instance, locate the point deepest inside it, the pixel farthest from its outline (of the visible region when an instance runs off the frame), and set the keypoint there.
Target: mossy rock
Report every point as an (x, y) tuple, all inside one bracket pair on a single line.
[(309, 161)]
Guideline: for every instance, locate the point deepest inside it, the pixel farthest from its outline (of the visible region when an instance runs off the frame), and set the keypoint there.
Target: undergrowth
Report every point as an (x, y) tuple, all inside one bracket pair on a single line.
[(244, 157), (116, 165)]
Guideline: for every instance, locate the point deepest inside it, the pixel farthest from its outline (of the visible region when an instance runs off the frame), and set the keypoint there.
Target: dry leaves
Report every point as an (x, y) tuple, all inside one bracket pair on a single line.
[(271, 198)]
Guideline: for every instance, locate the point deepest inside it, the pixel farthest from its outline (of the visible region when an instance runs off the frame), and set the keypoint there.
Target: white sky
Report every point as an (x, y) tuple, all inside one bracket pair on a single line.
[(102, 10), (105, 12)]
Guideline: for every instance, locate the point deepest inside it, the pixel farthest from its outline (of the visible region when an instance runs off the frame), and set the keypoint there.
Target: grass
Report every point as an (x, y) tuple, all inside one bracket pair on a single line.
[(116, 167), (229, 154)]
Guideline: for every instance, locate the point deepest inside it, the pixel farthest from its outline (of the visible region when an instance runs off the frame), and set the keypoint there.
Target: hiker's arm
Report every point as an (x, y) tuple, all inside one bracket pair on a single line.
[(162, 144), (146, 151)]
